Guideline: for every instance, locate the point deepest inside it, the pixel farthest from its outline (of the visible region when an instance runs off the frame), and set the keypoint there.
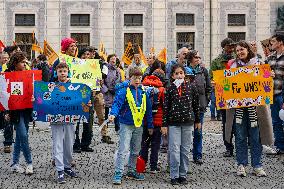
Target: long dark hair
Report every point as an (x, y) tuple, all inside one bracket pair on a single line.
[(156, 65), (246, 45)]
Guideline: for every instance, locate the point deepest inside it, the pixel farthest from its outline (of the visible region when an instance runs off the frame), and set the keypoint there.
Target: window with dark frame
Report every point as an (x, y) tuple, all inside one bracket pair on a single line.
[(24, 41), (83, 39), (237, 36), (135, 38), (236, 19), (185, 38), (133, 20), (184, 19), (80, 20), (24, 19)]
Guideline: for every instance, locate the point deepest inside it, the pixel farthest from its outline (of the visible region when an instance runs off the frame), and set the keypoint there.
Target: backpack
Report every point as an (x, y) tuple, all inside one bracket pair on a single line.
[(154, 94)]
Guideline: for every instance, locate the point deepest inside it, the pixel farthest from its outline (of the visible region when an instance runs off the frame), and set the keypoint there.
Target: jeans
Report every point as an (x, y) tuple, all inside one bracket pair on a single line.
[(152, 141), (277, 122), (197, 140), (130, 138), (62, 139), (213, 105), (8, 134), (22, 141), (179, 149), (229, 146), (244, 131)]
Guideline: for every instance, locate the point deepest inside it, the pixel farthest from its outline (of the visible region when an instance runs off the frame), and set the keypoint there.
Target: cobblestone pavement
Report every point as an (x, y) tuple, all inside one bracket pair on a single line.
[(96, 169)]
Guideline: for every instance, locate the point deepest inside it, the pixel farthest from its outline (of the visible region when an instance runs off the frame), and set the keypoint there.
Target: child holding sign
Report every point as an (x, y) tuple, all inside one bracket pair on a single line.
[(132, 104), (63, 135), (20, 119)]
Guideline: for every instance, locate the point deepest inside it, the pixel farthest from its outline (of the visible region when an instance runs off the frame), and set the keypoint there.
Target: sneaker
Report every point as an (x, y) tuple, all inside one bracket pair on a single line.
[(134, 175), (219, 118), (272, 151), (198, 161), (155, 170), (107, 139), (116, 180), (228, 153), (88, 149), (70, 172), (259, 172), (60, 177), (241, 171), (174, 181), (29, 169), (183, 180), (7, 149), (16, 168)]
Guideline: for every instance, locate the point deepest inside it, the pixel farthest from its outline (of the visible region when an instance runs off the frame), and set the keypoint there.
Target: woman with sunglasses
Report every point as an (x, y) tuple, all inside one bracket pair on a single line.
[(200, 77)]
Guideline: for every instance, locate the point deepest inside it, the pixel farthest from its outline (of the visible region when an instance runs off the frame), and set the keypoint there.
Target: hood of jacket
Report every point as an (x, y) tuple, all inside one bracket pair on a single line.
[(152, 80)]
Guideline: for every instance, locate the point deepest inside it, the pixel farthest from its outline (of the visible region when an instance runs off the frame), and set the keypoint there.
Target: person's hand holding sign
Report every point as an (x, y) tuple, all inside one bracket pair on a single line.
[(111, 118)]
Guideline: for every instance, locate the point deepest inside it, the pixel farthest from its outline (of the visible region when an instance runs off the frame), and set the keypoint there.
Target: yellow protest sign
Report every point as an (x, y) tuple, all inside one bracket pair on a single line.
[(243, 87), (86, 71)]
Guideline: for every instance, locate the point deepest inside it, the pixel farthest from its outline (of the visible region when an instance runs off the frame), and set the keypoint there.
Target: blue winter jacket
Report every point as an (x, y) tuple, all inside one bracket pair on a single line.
[(120, 106)]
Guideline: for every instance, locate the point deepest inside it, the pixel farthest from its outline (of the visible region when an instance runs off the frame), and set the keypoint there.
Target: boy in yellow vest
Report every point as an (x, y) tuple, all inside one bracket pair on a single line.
[(132, 104)]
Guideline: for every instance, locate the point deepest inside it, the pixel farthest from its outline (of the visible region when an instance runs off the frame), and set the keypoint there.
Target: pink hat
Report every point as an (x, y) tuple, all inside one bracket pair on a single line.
[(65, 43)]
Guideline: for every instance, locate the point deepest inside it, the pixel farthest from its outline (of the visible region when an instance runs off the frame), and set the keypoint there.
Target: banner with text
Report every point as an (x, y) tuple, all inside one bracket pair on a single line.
[(61, 102), (243, 87), (86, 71), (16, 89)]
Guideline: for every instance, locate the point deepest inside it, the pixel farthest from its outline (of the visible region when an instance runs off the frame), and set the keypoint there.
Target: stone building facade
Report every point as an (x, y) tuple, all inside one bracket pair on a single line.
[(149, 23)]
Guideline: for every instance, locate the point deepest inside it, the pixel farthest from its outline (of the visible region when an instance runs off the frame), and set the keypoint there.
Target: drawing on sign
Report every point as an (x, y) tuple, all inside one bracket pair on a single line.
[(17, 88)]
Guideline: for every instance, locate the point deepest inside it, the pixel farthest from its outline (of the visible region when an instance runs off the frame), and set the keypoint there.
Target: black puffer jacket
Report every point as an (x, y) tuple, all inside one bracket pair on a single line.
[(181, 105)]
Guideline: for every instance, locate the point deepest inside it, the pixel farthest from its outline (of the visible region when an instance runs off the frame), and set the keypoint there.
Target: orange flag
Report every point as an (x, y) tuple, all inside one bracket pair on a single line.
[(128, 54), (102, 51), (35, 45), (152, 50), (162, 56), (50, 53), (143, 58)]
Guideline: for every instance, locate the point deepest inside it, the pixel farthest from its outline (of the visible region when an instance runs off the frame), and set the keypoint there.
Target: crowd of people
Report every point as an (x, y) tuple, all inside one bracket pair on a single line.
[(155, 107)]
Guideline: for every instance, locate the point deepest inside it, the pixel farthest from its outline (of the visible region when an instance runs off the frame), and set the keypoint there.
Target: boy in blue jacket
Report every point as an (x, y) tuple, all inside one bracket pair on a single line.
[(132, 105)]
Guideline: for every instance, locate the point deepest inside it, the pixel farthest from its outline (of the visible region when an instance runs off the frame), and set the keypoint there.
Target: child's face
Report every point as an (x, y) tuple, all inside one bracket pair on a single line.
[(178, 74), (62, 74), (135, 80), (21, 66)]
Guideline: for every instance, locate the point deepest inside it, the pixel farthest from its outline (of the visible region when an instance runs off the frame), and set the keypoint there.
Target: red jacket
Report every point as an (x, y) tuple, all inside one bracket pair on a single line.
[(154, 81)]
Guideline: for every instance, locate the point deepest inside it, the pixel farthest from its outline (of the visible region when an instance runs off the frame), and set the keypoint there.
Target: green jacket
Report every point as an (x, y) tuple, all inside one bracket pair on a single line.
[(219, 63)]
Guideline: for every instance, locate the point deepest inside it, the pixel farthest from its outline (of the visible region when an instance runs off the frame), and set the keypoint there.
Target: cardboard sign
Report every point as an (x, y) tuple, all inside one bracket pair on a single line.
[(16, 89), (243, 87), (61, 102), (86, 71)]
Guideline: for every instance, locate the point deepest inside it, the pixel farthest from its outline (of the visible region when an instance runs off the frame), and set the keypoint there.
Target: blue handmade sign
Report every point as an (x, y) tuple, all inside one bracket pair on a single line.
[(61, 102)]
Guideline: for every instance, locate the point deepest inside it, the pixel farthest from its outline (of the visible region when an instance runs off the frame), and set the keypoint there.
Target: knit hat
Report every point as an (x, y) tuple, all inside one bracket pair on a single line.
[(65, 43), (160, 74)]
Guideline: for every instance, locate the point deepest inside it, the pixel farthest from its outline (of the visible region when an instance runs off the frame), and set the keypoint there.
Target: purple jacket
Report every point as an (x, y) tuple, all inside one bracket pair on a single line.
[(108, 89)]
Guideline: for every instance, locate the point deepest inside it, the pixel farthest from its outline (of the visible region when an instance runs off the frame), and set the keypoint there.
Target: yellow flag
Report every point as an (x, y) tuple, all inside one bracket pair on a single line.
[(35, 46), (102, 51), (162, 56), (128, 54), (143, 58), (50, 53)]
